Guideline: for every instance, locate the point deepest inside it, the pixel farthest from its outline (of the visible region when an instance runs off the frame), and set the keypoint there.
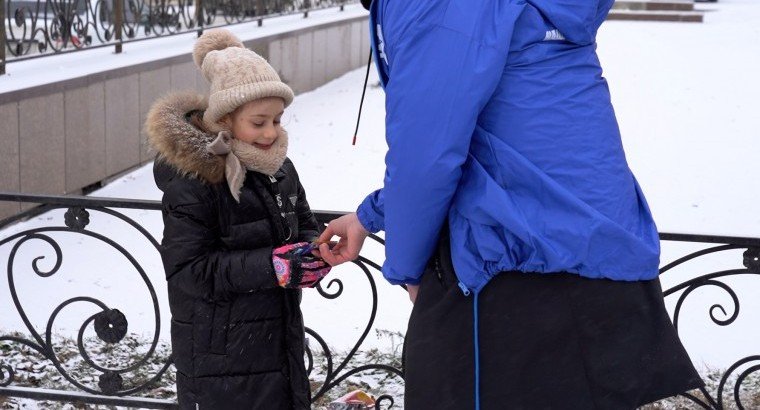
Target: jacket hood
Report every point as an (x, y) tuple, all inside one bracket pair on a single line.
[(178, 142), (577, 20)]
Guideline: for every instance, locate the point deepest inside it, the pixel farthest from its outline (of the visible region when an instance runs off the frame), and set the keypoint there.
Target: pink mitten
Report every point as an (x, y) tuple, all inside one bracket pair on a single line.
[(296, 267)]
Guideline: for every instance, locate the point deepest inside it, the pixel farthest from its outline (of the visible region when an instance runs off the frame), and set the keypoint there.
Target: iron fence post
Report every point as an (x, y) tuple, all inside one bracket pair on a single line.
[(118, 22), (2, 38), (260, 12), (306, 6), (199, 16)]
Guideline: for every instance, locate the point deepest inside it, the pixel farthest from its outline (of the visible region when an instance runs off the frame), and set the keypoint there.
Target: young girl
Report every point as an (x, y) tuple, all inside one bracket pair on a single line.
[(237, 232)]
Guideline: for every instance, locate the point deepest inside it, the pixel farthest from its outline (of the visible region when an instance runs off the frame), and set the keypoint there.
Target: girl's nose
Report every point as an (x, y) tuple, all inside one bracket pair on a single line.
[(271, 133)]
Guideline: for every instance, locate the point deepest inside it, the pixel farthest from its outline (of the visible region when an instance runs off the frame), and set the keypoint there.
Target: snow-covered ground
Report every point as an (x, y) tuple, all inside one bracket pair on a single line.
[(686, 98), (685, 95)]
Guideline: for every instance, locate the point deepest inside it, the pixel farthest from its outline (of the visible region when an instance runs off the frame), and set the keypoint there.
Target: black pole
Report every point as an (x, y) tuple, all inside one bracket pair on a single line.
[(118, 21), (2, 37)]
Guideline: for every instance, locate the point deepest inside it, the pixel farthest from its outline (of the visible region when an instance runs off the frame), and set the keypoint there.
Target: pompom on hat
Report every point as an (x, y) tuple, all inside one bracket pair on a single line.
[(237, 74)]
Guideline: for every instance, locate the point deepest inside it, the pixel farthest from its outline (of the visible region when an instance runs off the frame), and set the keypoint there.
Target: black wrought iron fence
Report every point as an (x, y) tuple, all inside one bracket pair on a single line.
[(728, 390), (112, 385), (37, 28), (111, 325)]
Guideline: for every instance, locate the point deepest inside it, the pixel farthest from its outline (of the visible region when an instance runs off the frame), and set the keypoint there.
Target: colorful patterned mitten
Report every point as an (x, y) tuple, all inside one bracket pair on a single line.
[(296, 267)]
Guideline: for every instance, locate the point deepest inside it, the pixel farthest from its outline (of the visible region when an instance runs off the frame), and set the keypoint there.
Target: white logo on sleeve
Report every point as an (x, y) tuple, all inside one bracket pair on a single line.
[(553, 35), (381, 44)]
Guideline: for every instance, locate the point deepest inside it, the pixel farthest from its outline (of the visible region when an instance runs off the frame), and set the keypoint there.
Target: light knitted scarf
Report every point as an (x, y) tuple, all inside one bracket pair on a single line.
[(241, 156)]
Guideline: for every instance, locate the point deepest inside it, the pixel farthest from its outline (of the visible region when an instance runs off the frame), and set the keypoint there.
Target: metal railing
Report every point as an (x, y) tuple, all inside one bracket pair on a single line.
[(38, 28), (110, 324)]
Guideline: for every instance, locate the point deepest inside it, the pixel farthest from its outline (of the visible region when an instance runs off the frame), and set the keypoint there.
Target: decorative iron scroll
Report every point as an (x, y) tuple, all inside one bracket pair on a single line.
[(335, 376), (745, 366), (110, 324)]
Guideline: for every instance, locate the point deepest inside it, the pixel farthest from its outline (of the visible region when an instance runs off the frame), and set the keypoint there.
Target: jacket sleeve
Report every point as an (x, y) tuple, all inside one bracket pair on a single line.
[(191, 251), (441, 78), (371, 212)]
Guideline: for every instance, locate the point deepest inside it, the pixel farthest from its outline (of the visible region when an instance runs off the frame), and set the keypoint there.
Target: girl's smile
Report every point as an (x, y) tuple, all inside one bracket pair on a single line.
[(263, 146)]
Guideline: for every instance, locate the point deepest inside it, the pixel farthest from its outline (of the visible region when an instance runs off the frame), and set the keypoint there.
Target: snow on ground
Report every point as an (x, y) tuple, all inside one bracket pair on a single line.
[(686, 98), (684, 95)]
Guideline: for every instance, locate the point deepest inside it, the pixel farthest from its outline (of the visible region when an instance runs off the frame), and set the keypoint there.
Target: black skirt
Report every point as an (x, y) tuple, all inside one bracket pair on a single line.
[(546, 341)]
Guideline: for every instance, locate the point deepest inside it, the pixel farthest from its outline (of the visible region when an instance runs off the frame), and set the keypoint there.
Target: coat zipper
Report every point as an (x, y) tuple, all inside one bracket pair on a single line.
[(476, 338)]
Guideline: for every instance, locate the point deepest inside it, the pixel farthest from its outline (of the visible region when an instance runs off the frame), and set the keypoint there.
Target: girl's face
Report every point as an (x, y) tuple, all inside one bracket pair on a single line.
[(257, 122)]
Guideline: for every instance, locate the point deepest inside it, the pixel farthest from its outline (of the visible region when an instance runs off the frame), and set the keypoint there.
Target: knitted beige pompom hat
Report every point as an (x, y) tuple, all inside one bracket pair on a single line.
[(237, 74)]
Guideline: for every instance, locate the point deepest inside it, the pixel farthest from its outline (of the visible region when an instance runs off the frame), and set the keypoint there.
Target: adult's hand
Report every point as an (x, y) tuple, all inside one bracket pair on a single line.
[(412, 289), (352, 235)]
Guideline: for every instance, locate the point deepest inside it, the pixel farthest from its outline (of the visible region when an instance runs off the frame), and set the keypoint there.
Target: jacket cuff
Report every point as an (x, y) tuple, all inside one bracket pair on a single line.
[(370, 219), (394, 278)]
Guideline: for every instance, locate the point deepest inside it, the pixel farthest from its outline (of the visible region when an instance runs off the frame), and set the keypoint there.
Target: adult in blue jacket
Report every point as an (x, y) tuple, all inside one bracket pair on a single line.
[(509, 205)]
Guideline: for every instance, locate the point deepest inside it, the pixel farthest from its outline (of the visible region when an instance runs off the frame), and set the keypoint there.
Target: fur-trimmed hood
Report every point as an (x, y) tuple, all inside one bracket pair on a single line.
[(178, 133), (180, 143)]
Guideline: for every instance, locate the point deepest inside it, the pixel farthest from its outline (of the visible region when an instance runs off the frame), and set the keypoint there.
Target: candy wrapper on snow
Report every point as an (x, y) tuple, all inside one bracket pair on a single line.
[(355, 400)]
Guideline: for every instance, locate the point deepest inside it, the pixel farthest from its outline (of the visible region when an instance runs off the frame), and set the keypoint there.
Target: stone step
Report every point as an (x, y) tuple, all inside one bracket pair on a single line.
[(656, 15), (654, 5)]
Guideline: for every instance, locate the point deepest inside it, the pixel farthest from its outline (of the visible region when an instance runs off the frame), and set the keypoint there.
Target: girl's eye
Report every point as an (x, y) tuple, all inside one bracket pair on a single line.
[(258, 124)]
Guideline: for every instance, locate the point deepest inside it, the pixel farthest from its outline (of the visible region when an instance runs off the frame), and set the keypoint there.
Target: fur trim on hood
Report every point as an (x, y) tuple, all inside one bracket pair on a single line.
[(178, 142)]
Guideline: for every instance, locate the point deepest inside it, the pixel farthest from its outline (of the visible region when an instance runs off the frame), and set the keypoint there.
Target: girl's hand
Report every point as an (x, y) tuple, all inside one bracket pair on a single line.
[(296, 266)]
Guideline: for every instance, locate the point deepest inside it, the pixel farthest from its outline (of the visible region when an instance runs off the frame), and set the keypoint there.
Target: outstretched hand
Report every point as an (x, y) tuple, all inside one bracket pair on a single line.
[(352, 235)]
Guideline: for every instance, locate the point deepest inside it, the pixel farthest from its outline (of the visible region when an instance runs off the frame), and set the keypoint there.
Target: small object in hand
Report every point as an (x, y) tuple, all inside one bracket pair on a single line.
[(355, 400), (296, 266), (319, 243)]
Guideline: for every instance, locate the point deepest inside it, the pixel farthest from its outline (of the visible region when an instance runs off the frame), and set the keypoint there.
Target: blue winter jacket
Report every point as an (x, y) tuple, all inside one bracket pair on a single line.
[(498, 118)]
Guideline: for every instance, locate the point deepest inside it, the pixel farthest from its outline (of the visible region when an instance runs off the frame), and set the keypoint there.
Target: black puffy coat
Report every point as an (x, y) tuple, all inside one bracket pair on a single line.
[(237, 337)]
